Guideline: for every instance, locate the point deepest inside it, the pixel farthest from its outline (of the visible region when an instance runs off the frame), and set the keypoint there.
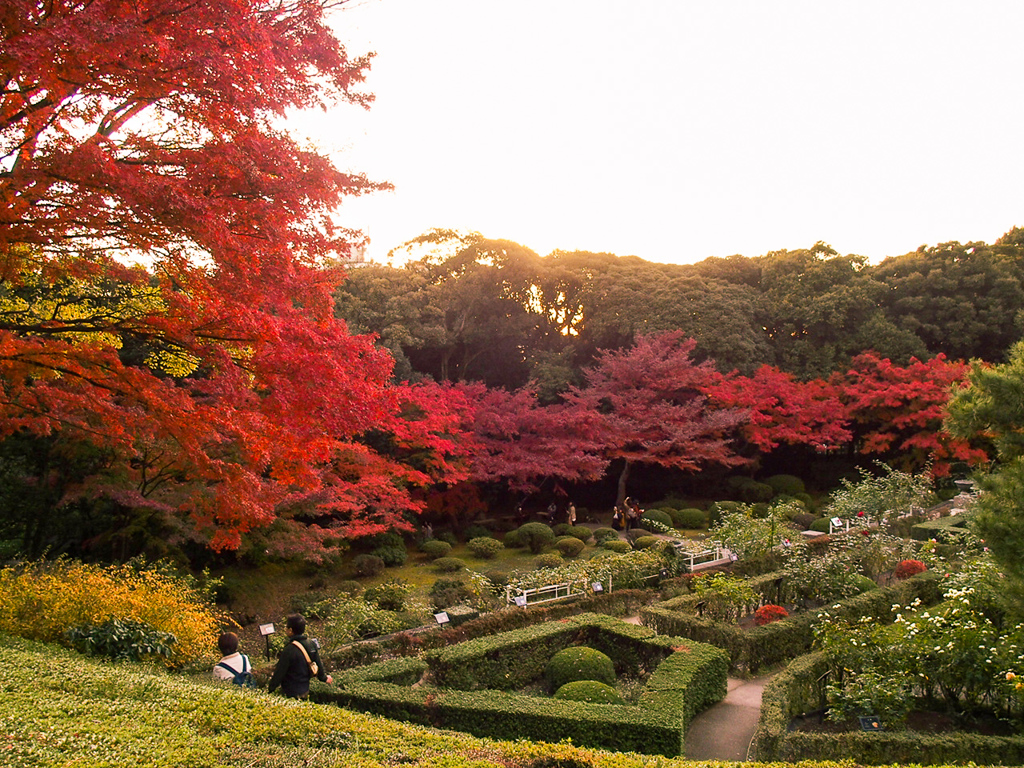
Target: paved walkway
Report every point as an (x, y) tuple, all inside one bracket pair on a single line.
[(724, 731)]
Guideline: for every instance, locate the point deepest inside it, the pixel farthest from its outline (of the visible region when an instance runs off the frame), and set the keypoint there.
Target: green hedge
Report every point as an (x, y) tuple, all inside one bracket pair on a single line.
[(407, 671), (937, 529), (511, 660), (761, 647), (687, 677), (795, 692), (504, 715)]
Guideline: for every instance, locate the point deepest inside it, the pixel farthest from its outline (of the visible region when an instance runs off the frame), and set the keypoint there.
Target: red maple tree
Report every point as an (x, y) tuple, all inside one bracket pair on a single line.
[(520, 443), (214, 376), (647, 405), (780, 409), (899, 410)]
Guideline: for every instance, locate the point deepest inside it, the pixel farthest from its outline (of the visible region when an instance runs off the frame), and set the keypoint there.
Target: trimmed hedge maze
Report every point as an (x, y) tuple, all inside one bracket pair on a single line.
[(472, 686)]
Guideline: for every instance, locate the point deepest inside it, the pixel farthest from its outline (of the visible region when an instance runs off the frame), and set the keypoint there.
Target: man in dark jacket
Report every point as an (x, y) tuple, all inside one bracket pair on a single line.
[(292, 672)]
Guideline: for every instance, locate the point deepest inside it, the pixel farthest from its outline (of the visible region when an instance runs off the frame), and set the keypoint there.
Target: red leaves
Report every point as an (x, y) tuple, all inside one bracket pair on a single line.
[(781, 409), (649, 405), (900, 409)]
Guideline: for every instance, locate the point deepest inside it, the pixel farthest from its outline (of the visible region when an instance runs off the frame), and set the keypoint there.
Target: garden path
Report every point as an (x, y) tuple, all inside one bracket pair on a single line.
[(724, 730)]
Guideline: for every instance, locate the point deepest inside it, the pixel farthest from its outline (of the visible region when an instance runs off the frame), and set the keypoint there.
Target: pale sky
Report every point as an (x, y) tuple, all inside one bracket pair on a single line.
[(677, 130)]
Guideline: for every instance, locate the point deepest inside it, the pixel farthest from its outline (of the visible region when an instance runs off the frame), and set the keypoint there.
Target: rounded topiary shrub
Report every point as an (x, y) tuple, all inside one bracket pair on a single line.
[(475, 532), (392, 555), (820, 525), (616, 545), (435, 548), (785, 485), (569, 546), (690, 518), (549, 560), (485, 547), (645, 542), (658, 516), (589, 691), (803, 520), (448, 564), (367, 565), (513, 540), (580, 532), (536, 536), (562, 529), (579, 663), (862, 583), (601, 535)]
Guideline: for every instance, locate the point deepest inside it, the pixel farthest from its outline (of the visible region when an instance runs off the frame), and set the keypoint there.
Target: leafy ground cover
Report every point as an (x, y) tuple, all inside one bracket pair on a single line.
[(60, 709)]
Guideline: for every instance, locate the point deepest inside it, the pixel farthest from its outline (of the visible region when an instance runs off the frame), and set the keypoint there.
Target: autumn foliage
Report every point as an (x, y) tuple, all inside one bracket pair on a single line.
[(213, 378)]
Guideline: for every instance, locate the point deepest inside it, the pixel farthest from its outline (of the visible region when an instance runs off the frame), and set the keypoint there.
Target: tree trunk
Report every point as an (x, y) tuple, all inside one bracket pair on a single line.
[(620, 495)]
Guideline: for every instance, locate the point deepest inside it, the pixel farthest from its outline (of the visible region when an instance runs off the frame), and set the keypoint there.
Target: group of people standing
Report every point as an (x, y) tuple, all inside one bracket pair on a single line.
[(626, 516), (298, 663)]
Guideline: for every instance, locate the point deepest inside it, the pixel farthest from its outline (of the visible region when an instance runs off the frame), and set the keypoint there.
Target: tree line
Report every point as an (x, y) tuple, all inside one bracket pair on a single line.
[(468, 308)]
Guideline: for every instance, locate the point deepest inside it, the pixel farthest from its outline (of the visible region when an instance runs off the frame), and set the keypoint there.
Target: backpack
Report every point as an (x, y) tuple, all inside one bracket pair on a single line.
[(243, 678)]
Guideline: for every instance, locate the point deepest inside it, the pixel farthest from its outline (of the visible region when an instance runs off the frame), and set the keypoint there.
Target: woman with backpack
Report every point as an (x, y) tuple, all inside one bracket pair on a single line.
[(234, 666)]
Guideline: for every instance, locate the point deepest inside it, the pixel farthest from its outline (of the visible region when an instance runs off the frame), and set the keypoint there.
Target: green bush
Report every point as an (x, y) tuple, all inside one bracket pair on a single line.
[(862, 583), (449, 564), (804, 520), (579, 663), (367, 565), (549, 560), (435, 548), (536, 536), (720, 508), (785, 485), (616, 545), (392, 556), (645, 542), (389, 596), (513, 540), (485, 547), (589, 691), (121, 640), (447, 592), (580, 532), (658, 516), (562, 529), (690, 518), (477, 531), (821, 525), (349, 587), (601, 535), (445, 535), (569, 546)]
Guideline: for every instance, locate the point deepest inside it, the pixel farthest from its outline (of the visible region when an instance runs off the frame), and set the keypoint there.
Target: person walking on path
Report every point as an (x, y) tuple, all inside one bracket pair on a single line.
[(298, 663)]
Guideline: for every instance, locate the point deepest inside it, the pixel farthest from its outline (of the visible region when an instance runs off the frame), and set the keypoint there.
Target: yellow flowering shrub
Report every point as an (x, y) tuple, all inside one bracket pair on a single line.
[(42, 600)]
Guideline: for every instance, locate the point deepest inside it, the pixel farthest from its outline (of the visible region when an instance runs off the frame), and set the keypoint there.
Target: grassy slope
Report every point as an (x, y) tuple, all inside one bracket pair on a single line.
[(59, 709)]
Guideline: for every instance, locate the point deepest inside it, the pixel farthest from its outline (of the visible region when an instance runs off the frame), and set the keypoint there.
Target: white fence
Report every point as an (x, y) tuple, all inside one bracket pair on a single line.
[(695, 561), (545, 594)]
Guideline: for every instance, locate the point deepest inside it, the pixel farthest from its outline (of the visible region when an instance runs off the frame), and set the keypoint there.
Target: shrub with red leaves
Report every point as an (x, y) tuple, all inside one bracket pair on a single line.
[(908, 568), (766, 614)]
